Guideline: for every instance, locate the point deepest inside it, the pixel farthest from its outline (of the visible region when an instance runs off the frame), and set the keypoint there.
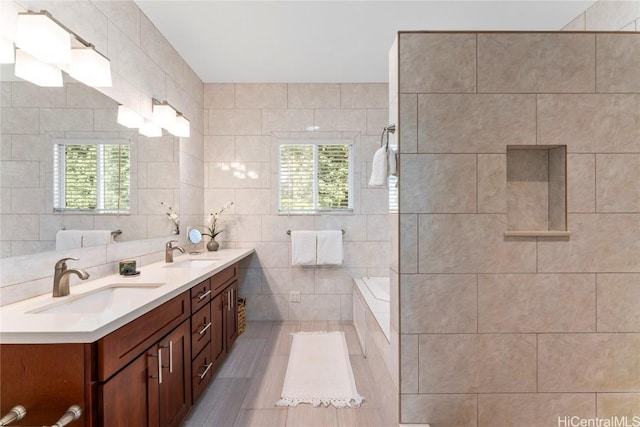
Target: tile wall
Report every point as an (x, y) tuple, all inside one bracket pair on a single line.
[(243, 126), (499, 331)]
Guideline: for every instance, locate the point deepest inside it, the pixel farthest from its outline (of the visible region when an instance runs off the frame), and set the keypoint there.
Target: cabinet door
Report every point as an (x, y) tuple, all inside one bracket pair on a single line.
[(218, 310), (175, 389), (231, 315)]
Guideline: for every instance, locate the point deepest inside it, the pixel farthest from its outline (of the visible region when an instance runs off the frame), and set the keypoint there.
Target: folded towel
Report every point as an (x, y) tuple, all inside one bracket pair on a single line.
[(303, 248), (393, 162), (329, 247), (96, 237), (379, 168), (68, 239)]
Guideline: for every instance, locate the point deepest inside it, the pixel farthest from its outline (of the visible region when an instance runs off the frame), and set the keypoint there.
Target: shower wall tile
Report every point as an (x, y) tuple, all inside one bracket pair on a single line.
[(618, 404), (408, 243), (577, 362), (618, 302), (364, 95), (611, 15), (533, 409), (618, 183), (581, 183), (313, 95), (286, 120), (409, 362), (533, 63), (408, 126), (527, 189), (469, 363), (492, 183), (618, 63), (592, 247), (219, 95), (472, 244), (439, 409), (439, 303), (600, 123), (341, 119), (235, 122), (438, 183), (261, 95), (557, 189), (524, 303), (475, 123), (419, 72)]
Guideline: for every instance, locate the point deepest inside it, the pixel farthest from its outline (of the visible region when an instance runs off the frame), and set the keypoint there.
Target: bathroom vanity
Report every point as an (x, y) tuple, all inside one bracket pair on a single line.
[(142, 361)]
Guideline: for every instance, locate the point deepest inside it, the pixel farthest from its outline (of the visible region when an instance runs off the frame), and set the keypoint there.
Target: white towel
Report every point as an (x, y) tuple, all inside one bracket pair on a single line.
[(96, 237), (393, 162), (68, 239), (329, 247), (303, 248), (379, 168)]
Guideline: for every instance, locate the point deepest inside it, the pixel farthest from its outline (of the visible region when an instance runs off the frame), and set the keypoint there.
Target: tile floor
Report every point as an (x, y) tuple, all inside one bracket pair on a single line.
[(248, 384)]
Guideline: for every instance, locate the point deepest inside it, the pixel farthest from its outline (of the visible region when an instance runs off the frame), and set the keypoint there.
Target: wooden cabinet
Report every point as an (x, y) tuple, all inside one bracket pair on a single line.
[(231, 316), (175, 388)]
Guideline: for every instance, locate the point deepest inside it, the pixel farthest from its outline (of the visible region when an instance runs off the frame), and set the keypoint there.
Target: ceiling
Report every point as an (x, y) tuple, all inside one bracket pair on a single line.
[(326, 41)]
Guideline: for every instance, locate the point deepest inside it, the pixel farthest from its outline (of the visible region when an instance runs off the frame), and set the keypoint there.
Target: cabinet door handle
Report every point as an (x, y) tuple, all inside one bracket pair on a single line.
[(171, 357), (229, 301), (233, 298), (203, 330), (204, 295), (159, 366), (206, 369)]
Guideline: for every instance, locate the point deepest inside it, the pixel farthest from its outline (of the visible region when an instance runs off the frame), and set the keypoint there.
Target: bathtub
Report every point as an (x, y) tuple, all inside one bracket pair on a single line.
[(371, 296)]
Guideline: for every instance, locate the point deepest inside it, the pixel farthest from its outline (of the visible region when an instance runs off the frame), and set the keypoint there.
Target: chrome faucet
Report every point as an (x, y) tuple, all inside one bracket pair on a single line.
[(168, 251), (61, 277)]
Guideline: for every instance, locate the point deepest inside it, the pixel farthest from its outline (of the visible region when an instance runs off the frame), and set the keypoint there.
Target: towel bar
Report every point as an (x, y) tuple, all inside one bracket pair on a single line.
[(289, 231)]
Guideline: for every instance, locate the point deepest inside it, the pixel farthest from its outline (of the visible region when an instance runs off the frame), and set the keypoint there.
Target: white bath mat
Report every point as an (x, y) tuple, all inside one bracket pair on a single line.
[(319, 372)]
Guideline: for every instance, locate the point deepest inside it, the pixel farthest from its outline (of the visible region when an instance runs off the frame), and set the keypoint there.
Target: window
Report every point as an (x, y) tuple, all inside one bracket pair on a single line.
[(316, 177), (91, 176)]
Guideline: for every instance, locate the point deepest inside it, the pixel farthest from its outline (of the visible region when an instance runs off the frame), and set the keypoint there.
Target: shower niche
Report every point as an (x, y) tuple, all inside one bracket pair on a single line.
[(537, 190)]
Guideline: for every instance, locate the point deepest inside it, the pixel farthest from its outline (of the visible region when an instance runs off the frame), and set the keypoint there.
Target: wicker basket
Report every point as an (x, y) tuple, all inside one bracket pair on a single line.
[(242, 315)]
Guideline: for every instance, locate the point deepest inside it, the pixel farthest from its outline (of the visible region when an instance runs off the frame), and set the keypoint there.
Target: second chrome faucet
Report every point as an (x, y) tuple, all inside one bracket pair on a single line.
[(168, 251)]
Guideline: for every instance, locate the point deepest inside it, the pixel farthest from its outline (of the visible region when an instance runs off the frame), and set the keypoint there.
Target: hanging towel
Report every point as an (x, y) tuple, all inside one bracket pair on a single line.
[(393, 162), (329, 247), (379, 168), (96, 237), (68, 239), (303, 248)]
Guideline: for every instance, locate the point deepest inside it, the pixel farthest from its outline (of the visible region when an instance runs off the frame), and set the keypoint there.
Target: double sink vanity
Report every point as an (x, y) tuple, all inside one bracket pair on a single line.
[(129, 351)]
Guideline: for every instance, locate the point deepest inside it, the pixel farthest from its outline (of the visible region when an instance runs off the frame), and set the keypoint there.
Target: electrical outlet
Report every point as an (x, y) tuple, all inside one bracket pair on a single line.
[(294, 296)]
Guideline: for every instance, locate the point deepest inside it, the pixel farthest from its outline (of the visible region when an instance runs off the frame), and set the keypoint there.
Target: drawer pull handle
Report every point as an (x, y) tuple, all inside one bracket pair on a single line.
[(159, 366), (206, 369), (170, 357), (203, 295), (203, 330)]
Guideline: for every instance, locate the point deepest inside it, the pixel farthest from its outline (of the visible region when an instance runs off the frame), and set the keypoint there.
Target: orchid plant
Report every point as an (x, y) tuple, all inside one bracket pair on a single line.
[(212, 223), (173, 216)]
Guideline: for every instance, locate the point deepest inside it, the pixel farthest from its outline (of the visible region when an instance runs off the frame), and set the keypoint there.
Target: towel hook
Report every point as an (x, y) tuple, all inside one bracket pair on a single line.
[(389, 129)]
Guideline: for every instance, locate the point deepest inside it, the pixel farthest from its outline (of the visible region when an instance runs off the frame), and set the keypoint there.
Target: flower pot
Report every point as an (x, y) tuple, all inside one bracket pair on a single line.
[(213, 245)]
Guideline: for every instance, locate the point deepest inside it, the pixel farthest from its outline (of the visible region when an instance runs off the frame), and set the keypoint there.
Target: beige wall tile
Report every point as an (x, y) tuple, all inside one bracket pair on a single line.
[(341, 120), (219, 95), (578, 362), (618, 62), (618, 183), (313, 95), (316, 307), (469, 363), (235, 122), (66, 119), (438, 303), (492, 183), (267, 307), (252, 201), (581, 183), (286, 120), (527, 189), (618, 302), (125, 15), (408, 126), (252, 148), (29, 147), (5, 94), (533, 409), (261, 95), (598, 243), (618, 405), (439, 409), (160, 50), (611, 15), (20, 121), (377, 120), (579, 23), (530, 63), (409, 363), (364, 95), (472, 244), (81, 96), (536, 303), (28, 95), (557, 189), (590, 123), (393, 68), (475, 123), (20, 174), (438, 183), (219, 148), (408, 247), (418, 72)]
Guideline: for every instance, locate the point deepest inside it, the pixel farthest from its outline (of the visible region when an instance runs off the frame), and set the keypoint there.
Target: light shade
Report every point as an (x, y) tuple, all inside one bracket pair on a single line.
[(181, 127), (37, 72), (129, 118), (41, 37), (150, 129), (164, 115), (89, 67), (7, 52)]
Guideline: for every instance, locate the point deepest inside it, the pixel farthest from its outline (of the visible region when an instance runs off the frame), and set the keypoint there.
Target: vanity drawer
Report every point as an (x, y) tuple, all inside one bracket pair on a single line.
[(201, 326), (200, 295), (202, 371), (220, 280)]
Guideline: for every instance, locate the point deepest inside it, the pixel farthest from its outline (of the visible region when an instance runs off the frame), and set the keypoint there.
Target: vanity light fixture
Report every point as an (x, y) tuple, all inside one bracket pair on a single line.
[(129, 118), (44, 38), (166, 116), (150, 129), (37, 72), (181, 127), (90, 67), (7, 51)]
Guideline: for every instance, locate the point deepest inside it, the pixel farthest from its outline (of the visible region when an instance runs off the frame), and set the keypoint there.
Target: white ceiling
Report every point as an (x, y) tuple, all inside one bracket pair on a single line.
[(326, 41)]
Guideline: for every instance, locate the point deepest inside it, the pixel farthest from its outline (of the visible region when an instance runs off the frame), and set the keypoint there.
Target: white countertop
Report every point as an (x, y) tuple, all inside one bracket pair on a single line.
[(19, 326)]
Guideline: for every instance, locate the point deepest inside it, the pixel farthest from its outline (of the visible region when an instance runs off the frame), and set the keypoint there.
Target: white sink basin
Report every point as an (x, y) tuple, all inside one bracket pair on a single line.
[(194, 263), (116, 296)]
